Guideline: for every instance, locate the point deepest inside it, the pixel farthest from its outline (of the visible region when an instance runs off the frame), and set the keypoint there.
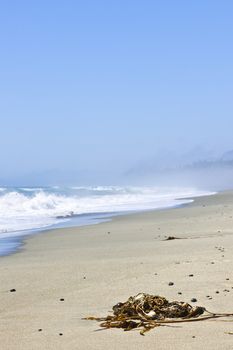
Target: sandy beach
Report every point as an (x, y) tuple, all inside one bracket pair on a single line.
[(63, 275)]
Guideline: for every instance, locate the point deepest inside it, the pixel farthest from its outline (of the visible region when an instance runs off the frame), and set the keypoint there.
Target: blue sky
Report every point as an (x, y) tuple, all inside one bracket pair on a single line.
[(90, 88)]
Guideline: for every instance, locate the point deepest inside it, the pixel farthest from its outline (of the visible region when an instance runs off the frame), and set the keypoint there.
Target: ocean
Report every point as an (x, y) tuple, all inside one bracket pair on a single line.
[(27, 210)]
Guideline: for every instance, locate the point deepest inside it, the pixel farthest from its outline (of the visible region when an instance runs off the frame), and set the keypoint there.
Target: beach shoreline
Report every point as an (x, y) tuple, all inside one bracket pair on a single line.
[(28, 211), (13, 242), (94, 267)]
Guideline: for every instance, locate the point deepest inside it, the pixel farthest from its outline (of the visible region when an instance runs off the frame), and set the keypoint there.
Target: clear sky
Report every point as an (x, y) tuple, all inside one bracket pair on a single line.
[(90, 88)]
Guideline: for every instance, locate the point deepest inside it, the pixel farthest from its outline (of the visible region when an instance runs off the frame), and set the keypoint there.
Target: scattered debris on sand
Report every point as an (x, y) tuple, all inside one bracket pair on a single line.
[(170, 238)]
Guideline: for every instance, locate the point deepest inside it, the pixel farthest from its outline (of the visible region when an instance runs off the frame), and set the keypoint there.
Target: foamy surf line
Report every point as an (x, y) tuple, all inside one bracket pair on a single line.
[(28, 210)]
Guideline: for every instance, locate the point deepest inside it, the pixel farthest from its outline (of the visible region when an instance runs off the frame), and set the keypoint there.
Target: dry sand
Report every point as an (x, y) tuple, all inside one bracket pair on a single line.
[(94, 267)]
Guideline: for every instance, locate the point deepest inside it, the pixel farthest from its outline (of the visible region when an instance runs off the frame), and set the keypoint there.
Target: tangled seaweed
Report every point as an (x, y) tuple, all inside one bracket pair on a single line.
[(145, 312)]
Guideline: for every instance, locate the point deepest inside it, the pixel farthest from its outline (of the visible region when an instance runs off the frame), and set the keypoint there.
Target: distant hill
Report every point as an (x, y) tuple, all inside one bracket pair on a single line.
[(227, 156), (156, 165), (226, 160), (206, 171)]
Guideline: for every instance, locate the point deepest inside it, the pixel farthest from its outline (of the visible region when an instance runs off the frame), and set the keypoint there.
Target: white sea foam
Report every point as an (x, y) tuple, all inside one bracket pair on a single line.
[(31, 208), (31, 189)]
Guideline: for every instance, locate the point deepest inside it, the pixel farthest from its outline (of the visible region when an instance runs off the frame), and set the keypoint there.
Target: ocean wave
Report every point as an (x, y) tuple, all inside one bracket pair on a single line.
[(28, 208), (31, 189)]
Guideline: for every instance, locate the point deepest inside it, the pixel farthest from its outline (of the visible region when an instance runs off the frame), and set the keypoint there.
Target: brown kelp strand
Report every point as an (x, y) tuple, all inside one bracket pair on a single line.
[(145, 312)]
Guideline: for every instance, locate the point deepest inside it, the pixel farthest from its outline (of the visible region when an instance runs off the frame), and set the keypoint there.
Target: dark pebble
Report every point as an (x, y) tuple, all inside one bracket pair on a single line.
[(193, 300), (170, 283), (191, 275), (227, 279), (60, 334), (212, 262), (179, 293), (40, 330), (193, 336), (217, 292), (62, 299), (12, 290), (84, 277)]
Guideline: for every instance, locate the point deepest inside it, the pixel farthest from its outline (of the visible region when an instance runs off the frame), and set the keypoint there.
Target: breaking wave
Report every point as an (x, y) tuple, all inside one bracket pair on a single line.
[(28, 208)]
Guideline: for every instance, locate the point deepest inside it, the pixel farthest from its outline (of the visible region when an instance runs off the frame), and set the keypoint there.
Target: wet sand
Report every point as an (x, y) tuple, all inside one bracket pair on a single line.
[(63, 275)]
